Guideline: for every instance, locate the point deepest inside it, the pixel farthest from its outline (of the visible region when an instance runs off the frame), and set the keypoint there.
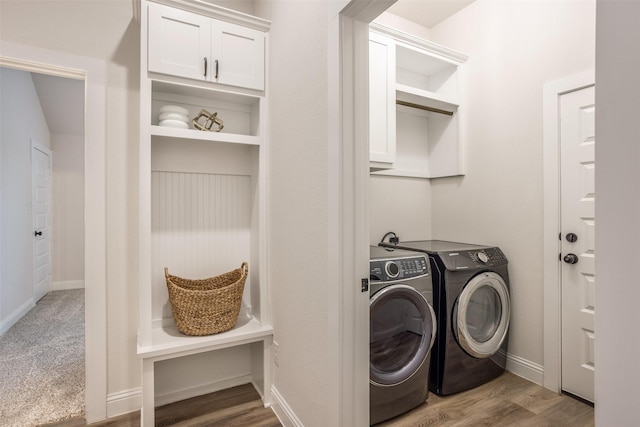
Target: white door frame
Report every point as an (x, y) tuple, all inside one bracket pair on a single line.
[(37, 146), (93, 72), (348, 208), (551, 217)]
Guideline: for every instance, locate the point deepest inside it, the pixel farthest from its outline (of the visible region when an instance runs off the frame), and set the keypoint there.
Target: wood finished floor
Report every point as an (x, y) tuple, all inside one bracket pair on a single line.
[(506, 401), (235, 407)]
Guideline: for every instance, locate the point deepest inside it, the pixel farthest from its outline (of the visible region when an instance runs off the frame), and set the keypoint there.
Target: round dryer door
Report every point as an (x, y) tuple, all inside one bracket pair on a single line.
[(402, 331), (481, 315)]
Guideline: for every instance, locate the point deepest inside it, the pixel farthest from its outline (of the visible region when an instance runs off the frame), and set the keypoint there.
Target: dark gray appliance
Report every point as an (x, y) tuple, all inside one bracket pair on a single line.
[(402, 331), (472, 305)]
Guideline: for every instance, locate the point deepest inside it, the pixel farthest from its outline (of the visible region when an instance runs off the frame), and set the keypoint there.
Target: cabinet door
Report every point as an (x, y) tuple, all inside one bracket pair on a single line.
[(238, 55), (382, 100), (179, 42)]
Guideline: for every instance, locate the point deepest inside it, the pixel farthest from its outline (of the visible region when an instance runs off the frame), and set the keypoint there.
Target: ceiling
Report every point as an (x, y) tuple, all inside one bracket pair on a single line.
[(62, 102), (427, 13)]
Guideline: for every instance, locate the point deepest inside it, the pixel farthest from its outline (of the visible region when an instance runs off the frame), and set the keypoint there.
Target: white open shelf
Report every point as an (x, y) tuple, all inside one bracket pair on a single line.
[(193, 134), (168, 342), (416, 105), (240, 113), (426, 98)]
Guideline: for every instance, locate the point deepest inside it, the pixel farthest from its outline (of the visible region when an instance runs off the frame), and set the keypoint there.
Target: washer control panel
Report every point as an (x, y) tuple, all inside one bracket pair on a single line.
[(387, 270)]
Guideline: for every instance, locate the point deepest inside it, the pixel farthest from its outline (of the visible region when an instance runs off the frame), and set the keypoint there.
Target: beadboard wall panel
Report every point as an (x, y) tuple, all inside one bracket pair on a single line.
[(201, 227)]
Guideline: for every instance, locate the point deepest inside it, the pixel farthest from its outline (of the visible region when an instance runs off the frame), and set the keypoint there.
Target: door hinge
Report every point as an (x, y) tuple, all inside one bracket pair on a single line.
[(365, 285)]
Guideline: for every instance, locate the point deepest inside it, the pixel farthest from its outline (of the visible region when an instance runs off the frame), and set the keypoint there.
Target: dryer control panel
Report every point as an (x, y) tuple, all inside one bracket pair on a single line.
[(473, 259), (389, 270)]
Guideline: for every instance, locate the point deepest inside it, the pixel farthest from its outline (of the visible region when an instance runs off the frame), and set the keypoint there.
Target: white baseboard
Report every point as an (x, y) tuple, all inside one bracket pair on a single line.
[(63, 285), (17, 314), (188, 393), (525, 369), (127, 401), (124, 402), (283, 411)]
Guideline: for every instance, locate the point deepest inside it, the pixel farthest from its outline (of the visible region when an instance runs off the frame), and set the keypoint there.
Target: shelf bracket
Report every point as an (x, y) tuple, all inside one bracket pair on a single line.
[(424, 107)]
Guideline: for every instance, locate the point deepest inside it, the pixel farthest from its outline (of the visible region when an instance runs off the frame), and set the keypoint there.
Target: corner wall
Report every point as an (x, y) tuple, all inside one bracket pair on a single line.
[(297, 181), (514, 48), (103, 30), (21, 121), (617, 375), (399, 204), (67, 245)]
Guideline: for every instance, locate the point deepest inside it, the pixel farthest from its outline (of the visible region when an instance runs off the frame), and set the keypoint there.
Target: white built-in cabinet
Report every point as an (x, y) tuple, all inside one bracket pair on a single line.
[(382, 100), (415, 106), (202, 195), (195, 46)]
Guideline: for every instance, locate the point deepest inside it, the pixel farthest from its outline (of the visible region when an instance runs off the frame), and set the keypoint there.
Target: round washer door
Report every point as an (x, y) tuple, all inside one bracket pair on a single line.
[(402, 331), (481, 315)]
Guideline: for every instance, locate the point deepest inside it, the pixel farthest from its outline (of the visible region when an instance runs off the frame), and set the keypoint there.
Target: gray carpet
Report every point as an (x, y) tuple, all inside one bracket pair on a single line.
[(42, 374)]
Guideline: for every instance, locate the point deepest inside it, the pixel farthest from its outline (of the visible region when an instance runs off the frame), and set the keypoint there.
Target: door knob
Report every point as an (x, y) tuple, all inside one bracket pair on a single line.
[(571, 258), (37, 233), (572, 237)]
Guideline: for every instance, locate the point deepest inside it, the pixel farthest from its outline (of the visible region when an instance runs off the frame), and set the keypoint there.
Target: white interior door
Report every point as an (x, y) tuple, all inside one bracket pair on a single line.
[(41, 176), (577, 198)]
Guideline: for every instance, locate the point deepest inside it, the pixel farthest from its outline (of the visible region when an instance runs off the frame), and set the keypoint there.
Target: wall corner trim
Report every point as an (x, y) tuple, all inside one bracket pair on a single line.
[(525, 369), (63, 285), (124, 402), (283, 411), (18, 313)]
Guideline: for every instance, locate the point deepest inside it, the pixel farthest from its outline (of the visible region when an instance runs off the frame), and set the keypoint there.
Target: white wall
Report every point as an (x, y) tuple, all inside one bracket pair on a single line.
[(618, 210), (21, 121), (401, 205), (298, 203), (514, 48), (67, 243), (123, 77)]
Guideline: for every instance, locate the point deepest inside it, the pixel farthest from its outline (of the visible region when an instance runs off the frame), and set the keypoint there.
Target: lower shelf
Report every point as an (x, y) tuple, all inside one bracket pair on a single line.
[(167, 342)]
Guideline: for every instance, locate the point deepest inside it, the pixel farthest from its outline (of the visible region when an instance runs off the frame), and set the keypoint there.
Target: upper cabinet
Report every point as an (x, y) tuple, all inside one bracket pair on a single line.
[(198, 47), (415, 106), (382, 97)]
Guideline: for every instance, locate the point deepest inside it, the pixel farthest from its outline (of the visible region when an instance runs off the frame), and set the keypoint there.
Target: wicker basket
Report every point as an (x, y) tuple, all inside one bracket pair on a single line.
[(206, 306)]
